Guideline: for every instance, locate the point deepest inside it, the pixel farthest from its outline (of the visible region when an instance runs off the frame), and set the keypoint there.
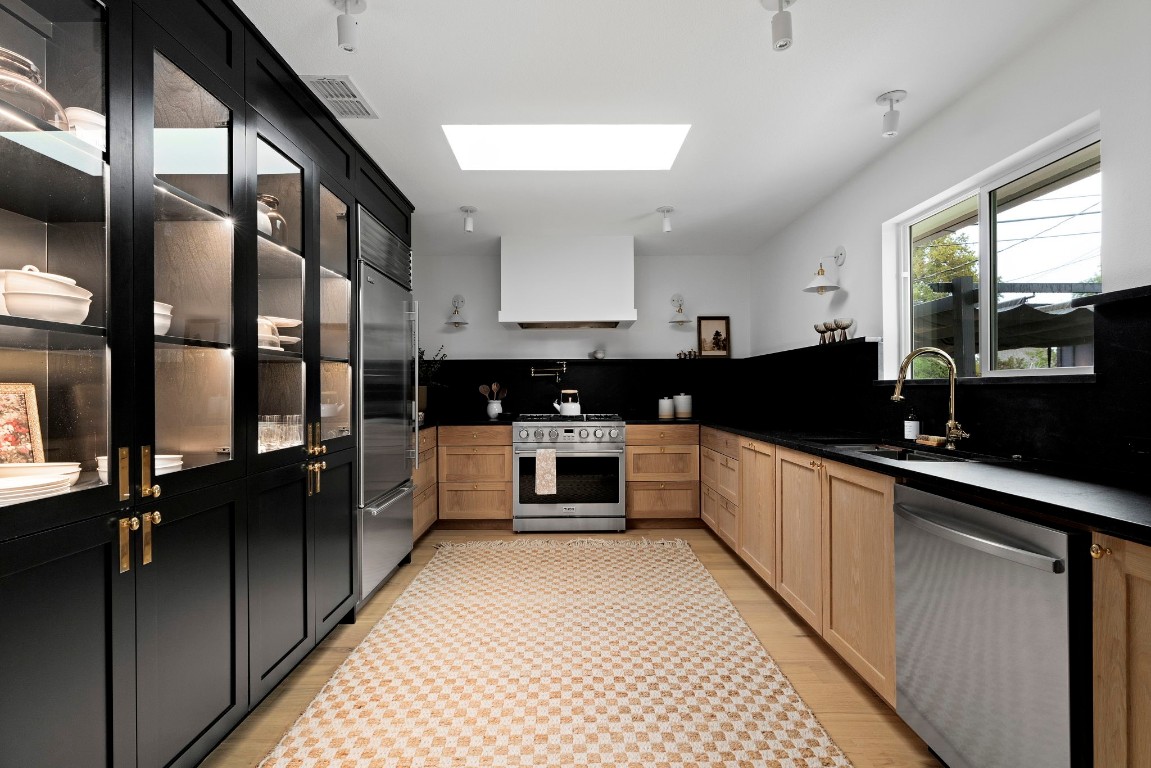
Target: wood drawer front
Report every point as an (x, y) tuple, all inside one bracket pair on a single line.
[(727, 522), (662, 463), (427, 438), (727, 480), (659, 500), (720, 442), (425, 474), (425, 511), (709, 507), (478, 463), (501, 435), (475, 501), (663, 434)]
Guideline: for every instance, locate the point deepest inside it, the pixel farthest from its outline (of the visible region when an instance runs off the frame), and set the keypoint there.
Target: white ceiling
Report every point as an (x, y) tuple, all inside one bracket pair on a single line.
[(772, 132)]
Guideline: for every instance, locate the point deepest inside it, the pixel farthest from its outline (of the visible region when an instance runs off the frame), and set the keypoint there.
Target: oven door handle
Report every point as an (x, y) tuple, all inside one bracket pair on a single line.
[(561, 452)]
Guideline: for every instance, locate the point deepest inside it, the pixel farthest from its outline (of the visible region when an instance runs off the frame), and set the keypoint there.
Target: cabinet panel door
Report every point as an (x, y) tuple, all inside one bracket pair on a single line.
[(709, 507), (335, 537), (1121, 587), (66, 649), (191, 625), (727, 480), (757, 526), (280, 564), (662, 500), (475, 464), (859, 572), (662, 463), (800, 534), (426, 511), (709, 467), (720, 442)]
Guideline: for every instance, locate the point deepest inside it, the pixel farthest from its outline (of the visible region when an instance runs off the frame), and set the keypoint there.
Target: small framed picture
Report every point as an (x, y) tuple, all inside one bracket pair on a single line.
[(714, 336), (19, 425)]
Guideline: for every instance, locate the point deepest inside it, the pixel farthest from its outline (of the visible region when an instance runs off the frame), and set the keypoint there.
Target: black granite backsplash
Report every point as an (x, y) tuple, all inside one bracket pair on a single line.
[(1098, 425)]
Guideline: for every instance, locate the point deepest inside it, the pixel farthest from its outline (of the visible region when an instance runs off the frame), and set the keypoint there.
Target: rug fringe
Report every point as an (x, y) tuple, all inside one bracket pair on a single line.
[(630, 543)]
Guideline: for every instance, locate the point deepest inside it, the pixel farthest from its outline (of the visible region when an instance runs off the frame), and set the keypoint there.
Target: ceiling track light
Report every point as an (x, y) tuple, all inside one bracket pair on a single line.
[(666, 211), (780, 23), (891, 116), (347, 28), (469, 213)]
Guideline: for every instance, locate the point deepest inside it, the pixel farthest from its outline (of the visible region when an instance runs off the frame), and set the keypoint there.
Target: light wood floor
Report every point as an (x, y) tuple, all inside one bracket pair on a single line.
[(859, 722)]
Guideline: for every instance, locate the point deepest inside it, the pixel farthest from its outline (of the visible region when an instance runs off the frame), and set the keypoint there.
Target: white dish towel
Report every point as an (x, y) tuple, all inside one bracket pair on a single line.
[(545, 471)]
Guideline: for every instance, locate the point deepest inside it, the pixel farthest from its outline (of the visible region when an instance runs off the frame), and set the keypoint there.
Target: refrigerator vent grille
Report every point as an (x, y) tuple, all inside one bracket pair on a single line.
[(341, 96), (383, 250)]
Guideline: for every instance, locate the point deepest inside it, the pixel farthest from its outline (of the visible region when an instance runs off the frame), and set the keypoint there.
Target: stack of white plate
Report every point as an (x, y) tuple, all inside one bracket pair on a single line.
[(14, 490), (161, 317), (28, 292), (165, 463), (68, 469)]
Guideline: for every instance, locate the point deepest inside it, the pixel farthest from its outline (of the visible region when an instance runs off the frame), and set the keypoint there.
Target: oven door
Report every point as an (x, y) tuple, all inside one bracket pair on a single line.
[(588, 484)]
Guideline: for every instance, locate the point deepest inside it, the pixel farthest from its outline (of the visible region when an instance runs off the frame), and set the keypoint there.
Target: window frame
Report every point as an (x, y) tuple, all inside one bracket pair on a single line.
[(981, 187)]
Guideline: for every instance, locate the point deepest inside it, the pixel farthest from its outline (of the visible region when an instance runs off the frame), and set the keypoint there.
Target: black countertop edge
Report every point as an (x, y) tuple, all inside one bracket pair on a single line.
[(1023, 489), (1111, 297)]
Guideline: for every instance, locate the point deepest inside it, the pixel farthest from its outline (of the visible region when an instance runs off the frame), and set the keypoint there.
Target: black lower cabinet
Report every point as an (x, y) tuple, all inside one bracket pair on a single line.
[(67, 676), (191, 625), (301, 538), (335, 538), (123, 639)]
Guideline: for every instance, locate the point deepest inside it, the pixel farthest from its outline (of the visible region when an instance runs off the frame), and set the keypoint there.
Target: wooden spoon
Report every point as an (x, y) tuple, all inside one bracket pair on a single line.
[(485, 391), (503, 394), (495, 390)]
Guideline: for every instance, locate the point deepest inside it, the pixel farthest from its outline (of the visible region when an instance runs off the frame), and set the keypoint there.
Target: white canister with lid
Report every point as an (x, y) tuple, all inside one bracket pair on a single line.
[(682, 406), (666, 408)]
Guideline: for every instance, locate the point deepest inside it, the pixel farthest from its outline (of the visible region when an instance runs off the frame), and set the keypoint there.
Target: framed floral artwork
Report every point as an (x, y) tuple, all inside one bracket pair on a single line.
[(714, 336), (20, 441)]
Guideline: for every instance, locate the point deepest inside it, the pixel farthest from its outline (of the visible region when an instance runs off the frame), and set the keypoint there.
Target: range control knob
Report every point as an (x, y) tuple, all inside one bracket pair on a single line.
[(539, 434), (599, 433), (613, 433), (554, 434), (523, 434), (583, 434)]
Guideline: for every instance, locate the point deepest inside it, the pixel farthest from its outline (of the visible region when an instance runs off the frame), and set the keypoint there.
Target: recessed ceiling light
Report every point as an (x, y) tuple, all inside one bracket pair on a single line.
[(566, 147)]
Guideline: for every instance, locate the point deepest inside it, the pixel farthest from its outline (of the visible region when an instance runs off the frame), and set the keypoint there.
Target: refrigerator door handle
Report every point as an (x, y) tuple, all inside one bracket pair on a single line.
[(376, 507), (414, 451)]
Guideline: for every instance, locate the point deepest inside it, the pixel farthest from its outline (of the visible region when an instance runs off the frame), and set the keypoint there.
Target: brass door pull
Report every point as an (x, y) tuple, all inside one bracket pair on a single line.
[(127, 525), (319, 467), (147, 490), (1099, 552), (150, 519)]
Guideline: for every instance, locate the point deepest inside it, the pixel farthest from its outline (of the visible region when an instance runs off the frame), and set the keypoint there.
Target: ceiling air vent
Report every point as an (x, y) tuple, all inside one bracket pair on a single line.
[(341, 96)]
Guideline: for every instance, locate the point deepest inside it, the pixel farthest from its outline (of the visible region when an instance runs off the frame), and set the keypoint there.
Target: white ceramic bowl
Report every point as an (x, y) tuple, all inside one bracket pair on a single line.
[(102, 473), (160, 308), (70, 469), (32, 280), (268, 341), (161, 323), (87, 125), (47, 306), (34, 270)]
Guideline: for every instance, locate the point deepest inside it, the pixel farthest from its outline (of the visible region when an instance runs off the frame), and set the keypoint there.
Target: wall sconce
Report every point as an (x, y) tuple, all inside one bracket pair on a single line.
[(666, 211), (821, 283), (891, 116), (457, 318), (469, 213), (678, 318)]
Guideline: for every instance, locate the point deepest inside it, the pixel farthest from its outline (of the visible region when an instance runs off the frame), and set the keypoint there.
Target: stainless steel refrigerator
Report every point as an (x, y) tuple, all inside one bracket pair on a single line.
[(387, 389)]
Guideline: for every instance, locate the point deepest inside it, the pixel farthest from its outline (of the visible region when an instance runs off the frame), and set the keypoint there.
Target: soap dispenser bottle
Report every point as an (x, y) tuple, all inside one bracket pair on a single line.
[(910, 423)]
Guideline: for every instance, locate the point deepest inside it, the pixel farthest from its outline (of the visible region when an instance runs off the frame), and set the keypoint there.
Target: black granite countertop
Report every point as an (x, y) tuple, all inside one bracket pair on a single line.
[(1024, 489)]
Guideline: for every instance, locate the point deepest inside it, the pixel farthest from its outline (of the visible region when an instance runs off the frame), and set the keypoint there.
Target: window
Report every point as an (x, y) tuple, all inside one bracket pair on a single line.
[(1026, 244)]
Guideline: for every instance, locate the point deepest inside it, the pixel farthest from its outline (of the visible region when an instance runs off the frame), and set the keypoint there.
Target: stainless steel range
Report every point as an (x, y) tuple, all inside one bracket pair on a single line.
[(589, 472)]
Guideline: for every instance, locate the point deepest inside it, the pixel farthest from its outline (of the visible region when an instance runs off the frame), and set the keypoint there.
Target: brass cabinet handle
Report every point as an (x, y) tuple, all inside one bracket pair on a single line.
[(308, 477), (127, 524), (475, 435), (813, 463), (319, 467), (147, 490), (662, 449), (476, 487), (661, 485), (1099, 552), (150, 519), (661, 434), (125, 457)]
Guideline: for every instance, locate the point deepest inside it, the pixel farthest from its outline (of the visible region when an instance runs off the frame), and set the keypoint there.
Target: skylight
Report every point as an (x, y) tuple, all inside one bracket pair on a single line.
[(566, 147)]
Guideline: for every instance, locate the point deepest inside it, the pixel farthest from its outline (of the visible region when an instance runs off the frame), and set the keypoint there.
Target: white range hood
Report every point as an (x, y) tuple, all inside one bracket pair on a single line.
[(567, 282)]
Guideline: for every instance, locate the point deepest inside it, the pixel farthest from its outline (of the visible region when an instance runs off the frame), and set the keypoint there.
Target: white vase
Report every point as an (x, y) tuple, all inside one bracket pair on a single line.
[(495, 408)]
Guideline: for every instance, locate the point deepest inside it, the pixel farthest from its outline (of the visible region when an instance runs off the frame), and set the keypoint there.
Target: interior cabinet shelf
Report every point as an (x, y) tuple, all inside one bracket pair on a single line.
[(176, 340), (174, 204), (329, 359), (48, 140), (269, 247), (40, 182), (31, 324), (327, 273), (279, 355)]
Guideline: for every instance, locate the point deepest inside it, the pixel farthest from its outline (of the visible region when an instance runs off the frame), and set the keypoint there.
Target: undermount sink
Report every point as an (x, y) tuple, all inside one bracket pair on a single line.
[(896, 453)]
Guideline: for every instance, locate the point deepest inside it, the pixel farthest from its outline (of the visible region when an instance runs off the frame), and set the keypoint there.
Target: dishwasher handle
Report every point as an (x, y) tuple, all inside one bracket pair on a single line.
[(981, 542)]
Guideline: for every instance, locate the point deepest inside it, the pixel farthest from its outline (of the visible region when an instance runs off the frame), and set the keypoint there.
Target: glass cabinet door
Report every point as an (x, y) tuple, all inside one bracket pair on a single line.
[(192, 273), (281, 300), (54, 229), (335, 318)]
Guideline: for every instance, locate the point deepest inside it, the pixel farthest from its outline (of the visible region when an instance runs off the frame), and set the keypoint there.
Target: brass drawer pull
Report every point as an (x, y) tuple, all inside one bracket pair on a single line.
[(127, 525), (1099, 552), (150, 519)]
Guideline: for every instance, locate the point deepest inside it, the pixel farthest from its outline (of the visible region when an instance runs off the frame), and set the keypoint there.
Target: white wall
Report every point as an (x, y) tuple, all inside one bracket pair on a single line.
[(1097, 61), (710, 285)]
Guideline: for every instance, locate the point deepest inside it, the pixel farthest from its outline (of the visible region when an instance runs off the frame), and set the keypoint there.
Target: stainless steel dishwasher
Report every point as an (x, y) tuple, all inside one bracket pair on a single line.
[(982, 634)]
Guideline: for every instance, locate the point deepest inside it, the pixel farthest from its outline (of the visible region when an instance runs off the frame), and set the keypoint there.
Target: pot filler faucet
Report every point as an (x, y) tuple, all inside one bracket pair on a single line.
[(954, 431)]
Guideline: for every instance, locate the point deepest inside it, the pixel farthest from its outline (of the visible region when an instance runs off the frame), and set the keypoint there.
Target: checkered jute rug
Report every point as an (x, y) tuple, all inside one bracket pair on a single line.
[(542, 652)]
